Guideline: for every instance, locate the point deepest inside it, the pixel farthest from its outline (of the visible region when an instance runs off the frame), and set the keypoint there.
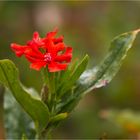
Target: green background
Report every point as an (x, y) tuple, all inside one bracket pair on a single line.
[(88, 27)]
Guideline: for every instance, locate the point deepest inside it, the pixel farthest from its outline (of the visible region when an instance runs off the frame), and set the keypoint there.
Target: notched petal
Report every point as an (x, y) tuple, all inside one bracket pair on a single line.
[(54, 67), (38, 65), (49, 51), (18, 49)]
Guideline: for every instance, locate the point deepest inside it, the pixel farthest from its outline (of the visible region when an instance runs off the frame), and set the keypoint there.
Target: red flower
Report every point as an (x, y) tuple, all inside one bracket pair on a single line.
[(48, 51)]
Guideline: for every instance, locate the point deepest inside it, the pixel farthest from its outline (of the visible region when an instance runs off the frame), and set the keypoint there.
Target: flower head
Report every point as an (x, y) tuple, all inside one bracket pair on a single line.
[(48, 51)]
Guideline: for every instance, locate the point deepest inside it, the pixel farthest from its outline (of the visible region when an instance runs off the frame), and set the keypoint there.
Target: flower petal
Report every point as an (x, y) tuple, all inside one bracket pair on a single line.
[(54, 67), (18, 49), (36, 36), (38, 65), (65, 56), (52, 34), (58, 40), (49, 51), (33, 59)]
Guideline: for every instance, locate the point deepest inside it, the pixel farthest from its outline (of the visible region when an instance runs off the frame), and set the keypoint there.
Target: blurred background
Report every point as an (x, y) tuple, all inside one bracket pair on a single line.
[(109, 112)]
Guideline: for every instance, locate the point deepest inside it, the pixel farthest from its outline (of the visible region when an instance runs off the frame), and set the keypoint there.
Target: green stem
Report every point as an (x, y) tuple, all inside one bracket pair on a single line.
[(44, 93), (49, 97), (47, 134), (46, 79), (52, 80)]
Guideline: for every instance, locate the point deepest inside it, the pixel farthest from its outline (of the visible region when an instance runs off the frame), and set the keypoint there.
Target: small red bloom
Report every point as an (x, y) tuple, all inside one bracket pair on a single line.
[(48, 51)]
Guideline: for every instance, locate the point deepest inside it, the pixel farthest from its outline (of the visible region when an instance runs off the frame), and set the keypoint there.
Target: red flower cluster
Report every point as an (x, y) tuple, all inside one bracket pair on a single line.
[(48, 51)]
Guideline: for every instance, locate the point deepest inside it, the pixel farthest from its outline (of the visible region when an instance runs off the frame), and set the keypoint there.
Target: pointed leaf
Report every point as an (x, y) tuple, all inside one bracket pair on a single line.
[(104, 73), (37, 110), (73, 76), (64, 75)]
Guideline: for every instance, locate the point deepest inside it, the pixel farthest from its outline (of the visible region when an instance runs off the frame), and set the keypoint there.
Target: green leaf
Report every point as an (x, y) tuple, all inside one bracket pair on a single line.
[(71, 77), (69, 104), (58, 118), (37, 110), (64, 75), (21, 121), (103, 74)]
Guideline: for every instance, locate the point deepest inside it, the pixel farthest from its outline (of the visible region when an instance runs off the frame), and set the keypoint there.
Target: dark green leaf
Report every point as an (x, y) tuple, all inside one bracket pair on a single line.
[(37, 110)]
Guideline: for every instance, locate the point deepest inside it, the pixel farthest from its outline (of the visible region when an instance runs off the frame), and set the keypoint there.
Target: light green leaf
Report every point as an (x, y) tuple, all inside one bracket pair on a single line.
[(64, 75), (103, 74), (37, 110), (58, 118), (72, 76)]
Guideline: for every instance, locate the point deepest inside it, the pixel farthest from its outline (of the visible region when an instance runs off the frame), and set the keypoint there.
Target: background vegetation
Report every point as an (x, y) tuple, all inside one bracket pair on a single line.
[(112, 111)]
